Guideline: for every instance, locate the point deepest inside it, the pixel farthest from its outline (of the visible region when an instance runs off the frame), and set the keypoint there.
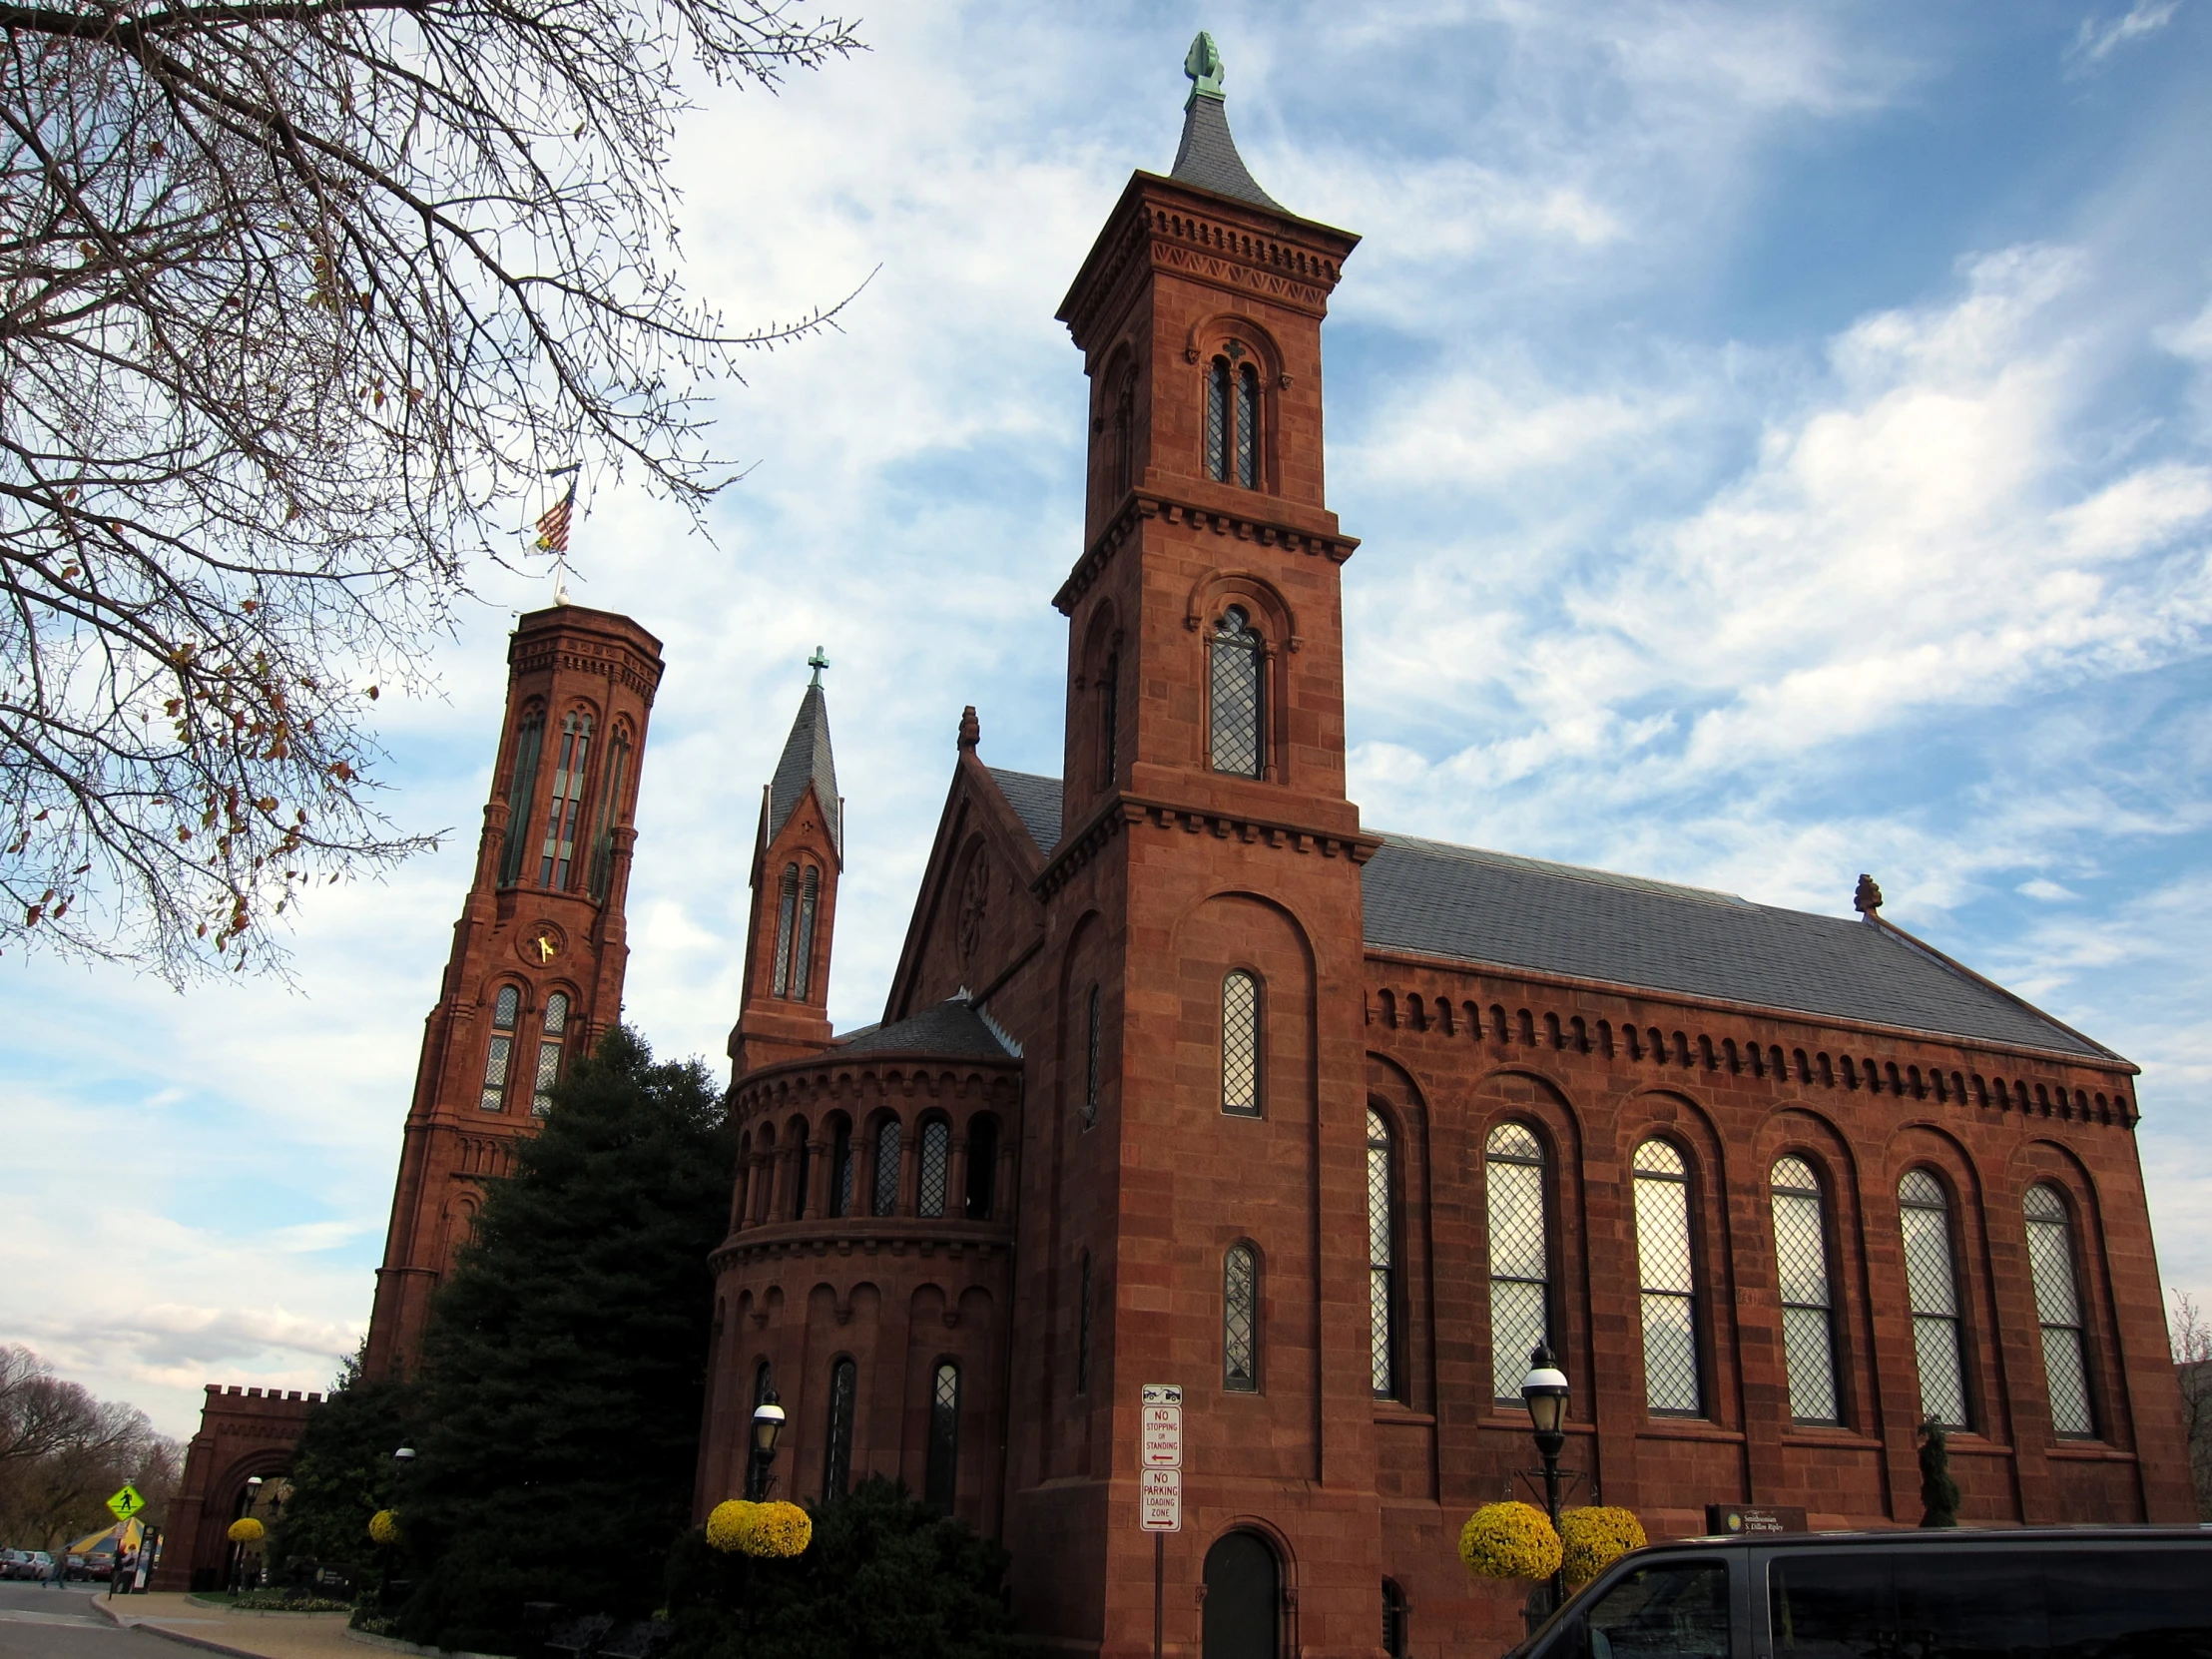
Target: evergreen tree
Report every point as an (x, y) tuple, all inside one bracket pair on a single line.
[(343, 1472), (564, 1359), (1939, 1492)]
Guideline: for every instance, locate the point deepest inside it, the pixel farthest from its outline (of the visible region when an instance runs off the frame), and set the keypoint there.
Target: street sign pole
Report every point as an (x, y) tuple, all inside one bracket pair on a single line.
[(1160, 1489)]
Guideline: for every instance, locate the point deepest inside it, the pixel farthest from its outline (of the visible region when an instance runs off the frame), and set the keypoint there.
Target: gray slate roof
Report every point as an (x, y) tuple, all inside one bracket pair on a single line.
[(1468, 904), (951, 1028), (1208, 156), (1465, 905), (807, 759), (1035, 801)]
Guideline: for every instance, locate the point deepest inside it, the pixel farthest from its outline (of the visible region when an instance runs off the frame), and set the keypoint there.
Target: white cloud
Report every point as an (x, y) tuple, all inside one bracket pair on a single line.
[(2100, 37)]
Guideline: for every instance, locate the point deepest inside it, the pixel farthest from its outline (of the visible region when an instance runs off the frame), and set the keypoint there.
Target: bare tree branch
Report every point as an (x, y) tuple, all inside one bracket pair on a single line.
[(297, 302)]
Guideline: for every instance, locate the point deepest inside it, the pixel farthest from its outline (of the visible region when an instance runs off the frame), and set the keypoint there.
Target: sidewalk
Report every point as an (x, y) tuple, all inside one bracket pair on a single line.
[(241, 1635)]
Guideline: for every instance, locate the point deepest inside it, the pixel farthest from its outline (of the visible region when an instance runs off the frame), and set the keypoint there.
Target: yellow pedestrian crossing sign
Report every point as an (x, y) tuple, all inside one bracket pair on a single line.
[(125, 1503)]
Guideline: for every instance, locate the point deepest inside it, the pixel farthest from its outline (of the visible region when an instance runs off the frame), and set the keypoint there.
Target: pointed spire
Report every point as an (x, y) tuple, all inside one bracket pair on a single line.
[(807, 759), (1208, 156)]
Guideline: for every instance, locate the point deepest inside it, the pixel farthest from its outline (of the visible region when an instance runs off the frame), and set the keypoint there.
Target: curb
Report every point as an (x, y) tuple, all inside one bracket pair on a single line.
[(200, 1642), (394, 1645)]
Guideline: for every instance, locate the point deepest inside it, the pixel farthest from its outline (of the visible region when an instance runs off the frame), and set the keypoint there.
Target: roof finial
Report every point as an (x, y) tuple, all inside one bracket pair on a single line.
[(1867, 900), (1204, 66), (971, 728), (818, 661)]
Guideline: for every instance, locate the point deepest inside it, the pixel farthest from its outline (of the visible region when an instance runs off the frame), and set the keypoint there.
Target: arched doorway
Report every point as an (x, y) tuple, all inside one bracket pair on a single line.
[(1244, 1598)]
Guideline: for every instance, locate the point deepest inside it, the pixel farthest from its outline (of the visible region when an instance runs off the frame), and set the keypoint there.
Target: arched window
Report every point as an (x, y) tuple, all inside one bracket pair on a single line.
[(983, 1167), (764, 1382), (1090, 1063), (841, 1169), (506, 1009), (1083, 1325), (1125, 433), (1381, 1257), (764, 1175), (522, 785), (1109, 720), (804, 1162), (787, 918), (1669, 1287), (610, 801), (885, 1196), (1931, 1281), (943, 1477), (552, 1031), (1240, 1321), (1233, 419), (1237, 744), (936, 1165), (837, 1448), (1521, 1255), (803, 955), (568, 801), (1240, 1044), (1808, 1303), (2058, 1311), (1394, 1620)]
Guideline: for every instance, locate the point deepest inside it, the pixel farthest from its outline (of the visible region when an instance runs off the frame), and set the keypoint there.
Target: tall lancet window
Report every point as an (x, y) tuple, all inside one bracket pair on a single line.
[(2058, 1311), (803, 955), (1931, 1282), (506, 1009), (552, 1033), (943, 1474), (1089, 1108), (1109, 720), (568, 802), (1233, 419), (936, 1166), (1381, 1260), (1671, 1371), (1520, 1254), (1808, 1303), (610, 798), (1240, 1044), (837, 1449), (787, 918), (1237, 704), (1240, 1320), (885, 1196), (1125, 435), (522, 785)]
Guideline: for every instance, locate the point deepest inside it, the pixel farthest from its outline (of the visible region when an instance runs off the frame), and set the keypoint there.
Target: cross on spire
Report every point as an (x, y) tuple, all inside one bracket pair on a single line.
[(818, 661)]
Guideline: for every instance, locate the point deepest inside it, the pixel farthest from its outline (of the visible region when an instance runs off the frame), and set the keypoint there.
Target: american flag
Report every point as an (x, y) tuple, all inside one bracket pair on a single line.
[(553, 523)]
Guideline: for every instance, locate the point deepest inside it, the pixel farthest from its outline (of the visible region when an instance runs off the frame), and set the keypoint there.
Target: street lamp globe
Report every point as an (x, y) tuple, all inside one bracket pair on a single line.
[(1544, 1389), (405, 1455), (768, 1423)]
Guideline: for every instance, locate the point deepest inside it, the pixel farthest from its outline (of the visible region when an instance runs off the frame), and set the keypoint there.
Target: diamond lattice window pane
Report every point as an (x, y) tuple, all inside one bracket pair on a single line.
[(1234, 743), (556, 1014), (2068, 1380), (1240, 1044), (1919, 1187), (496, 1061), (1090, 1066), (1670, 1354), (1516, 1222), (1799, 1250), (1379, 1333), (1928, 1270), (886, 1168), (1516, 1325), (1943, 1377), (1663, 1235), (549, 1065), (1248, 429), (1806, 1339), (1516, 1141), (1217, 421), (1378, 1205), (1658, 1158), (1240, 1321), (936, 1148), (2045, 1204), (2051, 1255)]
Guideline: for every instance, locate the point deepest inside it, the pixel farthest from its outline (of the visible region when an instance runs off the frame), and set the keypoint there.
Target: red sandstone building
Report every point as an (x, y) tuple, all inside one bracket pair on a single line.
[(1188, 1077)]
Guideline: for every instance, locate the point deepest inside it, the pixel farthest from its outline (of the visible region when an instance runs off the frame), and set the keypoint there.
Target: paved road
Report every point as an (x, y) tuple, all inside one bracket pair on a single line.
[(37, 1622)]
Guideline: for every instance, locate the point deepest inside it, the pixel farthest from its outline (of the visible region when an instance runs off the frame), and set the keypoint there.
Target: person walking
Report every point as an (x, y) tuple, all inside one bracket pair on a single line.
[(57, 1572)]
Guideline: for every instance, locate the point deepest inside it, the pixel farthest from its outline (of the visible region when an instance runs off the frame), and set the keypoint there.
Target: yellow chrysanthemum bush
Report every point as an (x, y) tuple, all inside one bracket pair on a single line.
[(730, 1525), (383, 1526), (245, 1530), (780, 1529), (1592, 1538), (1509, 1540)]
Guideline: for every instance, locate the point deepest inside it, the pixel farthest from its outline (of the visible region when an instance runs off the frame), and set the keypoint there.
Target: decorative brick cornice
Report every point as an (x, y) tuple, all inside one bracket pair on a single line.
[(587, 656), (1262, 527), (1127, 811), (791, 1083), (865, 1236)]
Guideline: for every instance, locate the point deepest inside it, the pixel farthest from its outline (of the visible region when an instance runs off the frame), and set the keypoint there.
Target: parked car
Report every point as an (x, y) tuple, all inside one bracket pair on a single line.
[(2106, 1593), (100, 1564), (77, 1568), (12, 1562)]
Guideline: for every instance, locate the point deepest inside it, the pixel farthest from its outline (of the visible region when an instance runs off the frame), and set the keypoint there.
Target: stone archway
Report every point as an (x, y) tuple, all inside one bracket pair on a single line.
[(1244, 1598)]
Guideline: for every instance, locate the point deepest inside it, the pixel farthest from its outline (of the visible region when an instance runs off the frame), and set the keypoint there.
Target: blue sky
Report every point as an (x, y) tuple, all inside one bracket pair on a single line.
[(1781, 443)]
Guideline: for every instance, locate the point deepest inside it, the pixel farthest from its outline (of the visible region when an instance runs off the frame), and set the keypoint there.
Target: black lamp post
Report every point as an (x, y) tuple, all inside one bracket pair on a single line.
[(1546, 1390), (768, 1423), (402, 1460)]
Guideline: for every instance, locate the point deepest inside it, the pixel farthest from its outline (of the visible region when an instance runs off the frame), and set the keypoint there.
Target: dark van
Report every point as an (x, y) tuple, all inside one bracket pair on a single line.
[(2103, 1592)]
